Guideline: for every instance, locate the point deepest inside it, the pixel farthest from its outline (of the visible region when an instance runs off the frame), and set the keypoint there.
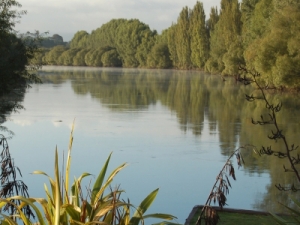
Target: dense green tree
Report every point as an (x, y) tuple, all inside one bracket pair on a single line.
[(171, 35), (143, 50), (17, 67), (278, 56), (106, 34), (111, 58), (212, 21), (182, 39), (256, 17), (159, 57), (129, 38), (94, 56), (79, 58), (247, 8), (80, 40), (198, 33), (51, 57), (227, 32), (66, 58)]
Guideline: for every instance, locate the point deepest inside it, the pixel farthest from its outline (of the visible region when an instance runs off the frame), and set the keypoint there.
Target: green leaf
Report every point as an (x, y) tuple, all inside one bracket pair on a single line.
[(72, 212), (279, 219), (69, 158), (109, 180), (145, 204), (45, 205), (160, 216), (34, 207), (99, 181), (166, 223), (57, 191), (8, 220), (292, 210), (75, 189)]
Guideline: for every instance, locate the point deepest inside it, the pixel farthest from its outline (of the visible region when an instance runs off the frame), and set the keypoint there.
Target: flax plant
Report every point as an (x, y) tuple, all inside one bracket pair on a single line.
[(220, 189), (290, 151), (65, 205)]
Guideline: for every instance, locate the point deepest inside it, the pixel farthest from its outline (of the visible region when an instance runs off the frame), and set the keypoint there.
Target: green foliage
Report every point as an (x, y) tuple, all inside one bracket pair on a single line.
[(226, 33), (212, 21), (111, 58), (10, 182), (199, 37), (79, 58), (17, 65), (257, 17), (143, 50), (64, 204), (131, 42), (79, 39), (171, 35), (53, 55), (96, 57), (295, 215), (182, 39), (233, 58), (159, 57), (271, 42), (67, 57)]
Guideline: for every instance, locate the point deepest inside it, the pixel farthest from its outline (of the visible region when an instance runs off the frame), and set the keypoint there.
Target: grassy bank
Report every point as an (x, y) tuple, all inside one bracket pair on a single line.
[(229, 217)]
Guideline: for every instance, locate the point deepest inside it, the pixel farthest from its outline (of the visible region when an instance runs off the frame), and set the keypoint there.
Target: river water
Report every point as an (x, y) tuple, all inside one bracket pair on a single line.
[(175, 129)]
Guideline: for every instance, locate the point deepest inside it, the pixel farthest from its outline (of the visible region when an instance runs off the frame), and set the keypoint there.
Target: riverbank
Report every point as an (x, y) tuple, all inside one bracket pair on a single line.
[(234, 216)]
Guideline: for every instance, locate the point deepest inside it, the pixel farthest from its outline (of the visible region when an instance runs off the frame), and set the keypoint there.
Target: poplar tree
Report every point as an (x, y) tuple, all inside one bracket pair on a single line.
[(199, 40), (182, 39), (212, 21), (211, 64), (171, 35)]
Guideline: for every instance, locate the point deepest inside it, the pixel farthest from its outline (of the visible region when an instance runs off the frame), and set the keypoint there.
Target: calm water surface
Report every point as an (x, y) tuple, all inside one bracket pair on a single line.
[(174, 128)]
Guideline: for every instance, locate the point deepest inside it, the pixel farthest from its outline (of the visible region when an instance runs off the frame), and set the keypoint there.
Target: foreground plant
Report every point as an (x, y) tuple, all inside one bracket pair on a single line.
[(65, 204), (289, 151), (10, 184), (220, 189)]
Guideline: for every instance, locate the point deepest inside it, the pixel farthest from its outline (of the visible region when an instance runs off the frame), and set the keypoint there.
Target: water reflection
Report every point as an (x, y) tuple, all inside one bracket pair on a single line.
[(196, 99), (10, 102)]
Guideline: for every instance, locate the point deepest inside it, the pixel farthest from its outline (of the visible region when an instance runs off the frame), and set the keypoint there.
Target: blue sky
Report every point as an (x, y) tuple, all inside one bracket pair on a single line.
[(65, 17)]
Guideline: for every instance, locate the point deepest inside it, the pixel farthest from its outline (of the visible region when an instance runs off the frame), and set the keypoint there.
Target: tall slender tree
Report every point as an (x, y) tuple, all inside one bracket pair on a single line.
[(171, 35), (182, 39), (198, 36)]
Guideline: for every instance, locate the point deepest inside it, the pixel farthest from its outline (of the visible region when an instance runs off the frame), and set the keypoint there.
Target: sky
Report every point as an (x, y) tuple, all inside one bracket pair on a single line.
[(66, 17)]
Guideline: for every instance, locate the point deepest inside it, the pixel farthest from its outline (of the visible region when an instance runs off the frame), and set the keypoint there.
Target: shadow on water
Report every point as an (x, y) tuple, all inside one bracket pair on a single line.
[(11, 102)]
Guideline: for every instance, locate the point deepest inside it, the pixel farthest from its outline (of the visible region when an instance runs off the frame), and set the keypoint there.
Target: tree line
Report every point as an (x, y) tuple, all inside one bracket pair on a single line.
[(259, 34)]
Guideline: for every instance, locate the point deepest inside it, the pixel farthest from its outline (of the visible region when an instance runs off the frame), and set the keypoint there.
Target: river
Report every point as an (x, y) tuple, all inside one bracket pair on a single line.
[(175, 129)]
